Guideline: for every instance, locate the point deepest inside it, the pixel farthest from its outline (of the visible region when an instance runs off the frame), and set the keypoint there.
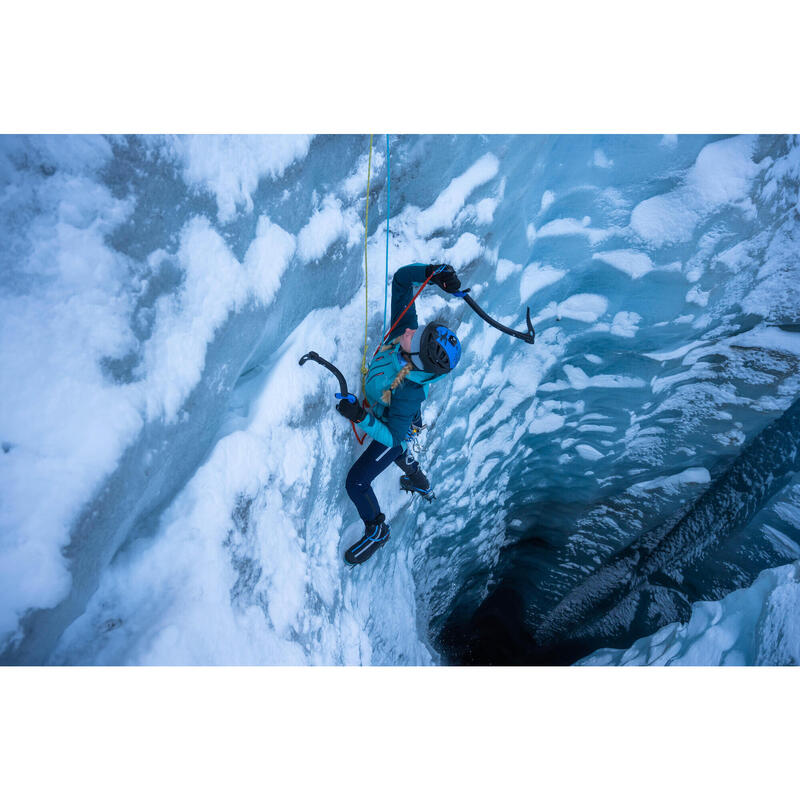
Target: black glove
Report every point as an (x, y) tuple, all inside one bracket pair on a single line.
[(351, 410), (445, 279)]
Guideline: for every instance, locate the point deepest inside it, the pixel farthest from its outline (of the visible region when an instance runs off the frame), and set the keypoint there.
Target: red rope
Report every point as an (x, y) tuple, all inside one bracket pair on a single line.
[(385, 337)]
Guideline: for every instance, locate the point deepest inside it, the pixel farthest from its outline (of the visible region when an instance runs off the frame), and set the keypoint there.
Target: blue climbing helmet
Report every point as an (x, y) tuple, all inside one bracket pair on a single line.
[(435, 348)]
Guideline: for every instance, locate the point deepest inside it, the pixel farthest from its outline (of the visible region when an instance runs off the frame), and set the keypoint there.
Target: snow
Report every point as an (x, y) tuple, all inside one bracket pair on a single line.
[(578, 379), (548, 198), (722, 175), (583, 307), (466, 250), (757, 625), (679, 352), (672, 484), (536, 277), (568, 226), (215, 284), (62, 422), (327, 225), (600, 159), (631, 262), (625, 324), (354, 186), (124, 319), (443, 212), (588, 452), (770, 338), (230, 167), (697, 296), (505, 269)]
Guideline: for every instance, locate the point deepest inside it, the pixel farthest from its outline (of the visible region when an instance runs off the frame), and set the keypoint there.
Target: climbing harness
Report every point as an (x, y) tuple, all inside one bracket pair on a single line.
[(413, 439)]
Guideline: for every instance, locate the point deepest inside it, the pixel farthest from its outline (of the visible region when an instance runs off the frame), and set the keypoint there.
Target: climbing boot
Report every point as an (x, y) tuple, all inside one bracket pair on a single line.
[(376, 534), (417, 483)]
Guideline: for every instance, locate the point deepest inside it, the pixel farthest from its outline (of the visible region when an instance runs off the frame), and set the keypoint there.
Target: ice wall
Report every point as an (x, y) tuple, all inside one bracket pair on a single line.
[(758, 625), (172, 480)]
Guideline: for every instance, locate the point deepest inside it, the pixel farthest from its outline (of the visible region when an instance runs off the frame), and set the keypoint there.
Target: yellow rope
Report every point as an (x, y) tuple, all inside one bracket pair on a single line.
[(366, 278)]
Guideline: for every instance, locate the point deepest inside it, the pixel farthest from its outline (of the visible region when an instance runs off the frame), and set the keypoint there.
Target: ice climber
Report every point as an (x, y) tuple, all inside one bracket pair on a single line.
[(396, 385)]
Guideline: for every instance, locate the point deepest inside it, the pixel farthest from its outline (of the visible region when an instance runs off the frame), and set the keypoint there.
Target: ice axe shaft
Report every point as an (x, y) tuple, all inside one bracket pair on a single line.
[(312, 356), (528, 336)]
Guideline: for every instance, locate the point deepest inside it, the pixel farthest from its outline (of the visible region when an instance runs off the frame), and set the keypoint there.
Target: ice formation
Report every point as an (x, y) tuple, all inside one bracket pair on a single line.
[(171, 481)]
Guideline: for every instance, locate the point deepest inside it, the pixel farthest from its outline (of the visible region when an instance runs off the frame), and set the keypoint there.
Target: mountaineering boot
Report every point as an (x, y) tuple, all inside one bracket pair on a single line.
[(417, 483), (376, 534)]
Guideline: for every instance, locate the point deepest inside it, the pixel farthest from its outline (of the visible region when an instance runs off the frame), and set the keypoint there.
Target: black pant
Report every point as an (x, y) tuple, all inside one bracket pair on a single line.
[(369, 465)]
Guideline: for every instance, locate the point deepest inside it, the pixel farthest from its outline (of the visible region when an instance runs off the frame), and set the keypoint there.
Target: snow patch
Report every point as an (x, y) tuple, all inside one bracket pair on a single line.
[(230, 167), (721, 176), (572, 227), (600, 159), (536, 277), (631, 262), (327, 224), (672, 484), (505, 268), (578, 379), (583, 307), (588, 452), (443, 212), (625, 323), (548, 198)]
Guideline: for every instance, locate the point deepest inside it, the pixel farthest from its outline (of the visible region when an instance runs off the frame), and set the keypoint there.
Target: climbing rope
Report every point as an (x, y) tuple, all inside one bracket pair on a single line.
[(388, 192), (366, 277), (386, 335)]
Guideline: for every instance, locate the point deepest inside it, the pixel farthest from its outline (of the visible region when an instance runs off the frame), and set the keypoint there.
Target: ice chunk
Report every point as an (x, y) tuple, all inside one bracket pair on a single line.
[(758, 625)]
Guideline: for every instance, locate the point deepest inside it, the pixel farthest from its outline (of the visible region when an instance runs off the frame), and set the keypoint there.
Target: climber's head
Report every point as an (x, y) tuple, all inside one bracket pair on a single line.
[(405, 339), (434, 348)]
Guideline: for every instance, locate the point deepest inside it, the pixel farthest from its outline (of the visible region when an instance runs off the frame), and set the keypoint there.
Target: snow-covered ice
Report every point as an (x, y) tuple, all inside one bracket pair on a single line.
[(172, 481)]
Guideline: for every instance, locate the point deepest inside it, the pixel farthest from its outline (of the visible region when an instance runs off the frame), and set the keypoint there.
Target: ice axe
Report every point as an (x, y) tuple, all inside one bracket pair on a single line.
[(526, 336), (343, 393)]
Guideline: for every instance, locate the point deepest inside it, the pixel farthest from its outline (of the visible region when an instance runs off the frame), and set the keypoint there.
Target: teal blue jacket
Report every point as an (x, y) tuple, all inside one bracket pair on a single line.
[(390, 425)]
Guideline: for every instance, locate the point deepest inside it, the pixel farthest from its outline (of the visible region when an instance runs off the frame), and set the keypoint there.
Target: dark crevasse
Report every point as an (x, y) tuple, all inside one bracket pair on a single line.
[(644, 586)]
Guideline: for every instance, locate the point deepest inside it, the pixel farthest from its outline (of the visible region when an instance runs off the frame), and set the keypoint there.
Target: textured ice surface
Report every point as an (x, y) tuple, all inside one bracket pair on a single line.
[(172, 481), (758, 625)]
